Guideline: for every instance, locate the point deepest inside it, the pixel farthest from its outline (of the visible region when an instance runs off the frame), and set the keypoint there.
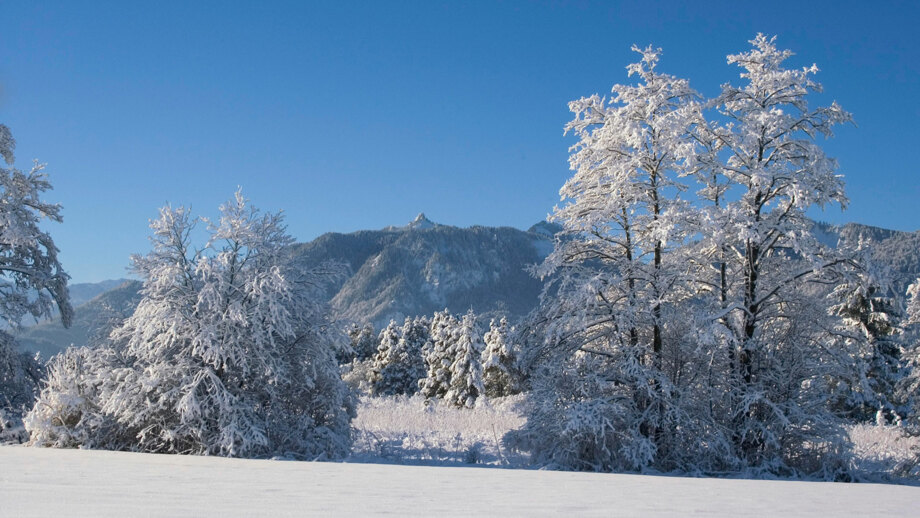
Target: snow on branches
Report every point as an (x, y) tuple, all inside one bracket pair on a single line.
[(230, 352)]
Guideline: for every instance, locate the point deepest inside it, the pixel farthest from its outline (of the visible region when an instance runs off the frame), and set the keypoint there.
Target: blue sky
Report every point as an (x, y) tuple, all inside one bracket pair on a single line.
[(360, 115)]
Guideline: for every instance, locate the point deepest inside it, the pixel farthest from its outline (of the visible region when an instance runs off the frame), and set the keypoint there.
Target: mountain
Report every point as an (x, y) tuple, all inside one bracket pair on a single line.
[(51, 337), (896, 252), (398, 271), (82, 293)]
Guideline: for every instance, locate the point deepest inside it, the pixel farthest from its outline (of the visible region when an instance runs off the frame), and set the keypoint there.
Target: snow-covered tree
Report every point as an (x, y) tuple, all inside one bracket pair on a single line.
[(466, 366), (768, 155), (871, 331), (909, 387), (693, 335), (230, 352), (438, 354), (398, 364), (614, 268), (498, 369), (32, 281), (363, 343), (913, 302)]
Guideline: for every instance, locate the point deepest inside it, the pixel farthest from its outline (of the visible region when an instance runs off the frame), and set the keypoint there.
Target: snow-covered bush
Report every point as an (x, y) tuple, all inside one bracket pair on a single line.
[(67, 413), (230, 352)]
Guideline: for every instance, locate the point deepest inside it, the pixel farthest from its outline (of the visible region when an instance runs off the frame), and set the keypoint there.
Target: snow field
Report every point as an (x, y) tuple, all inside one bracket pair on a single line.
[(55, 482), (407, 430)]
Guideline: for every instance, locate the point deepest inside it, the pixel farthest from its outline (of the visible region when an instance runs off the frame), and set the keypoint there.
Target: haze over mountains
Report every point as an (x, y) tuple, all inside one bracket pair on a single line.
[(424, 267)]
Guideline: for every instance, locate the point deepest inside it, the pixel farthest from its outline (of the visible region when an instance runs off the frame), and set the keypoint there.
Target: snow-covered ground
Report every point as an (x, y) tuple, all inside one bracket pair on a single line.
[(406, 430), (45, 482), (449, 459)]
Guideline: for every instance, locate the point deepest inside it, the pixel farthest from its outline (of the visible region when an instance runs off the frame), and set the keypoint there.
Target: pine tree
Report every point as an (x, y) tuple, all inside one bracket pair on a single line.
[(913, 304), (398, 365), (466, 368), (498, 361), (871, 323), (363, 343), (438, 350)]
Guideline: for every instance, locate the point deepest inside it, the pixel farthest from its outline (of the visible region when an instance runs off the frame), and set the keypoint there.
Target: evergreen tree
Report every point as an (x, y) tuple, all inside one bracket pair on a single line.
[(466, 367), (871, 323), (498, 361), (438, 353), (398, 365), (363, 343)]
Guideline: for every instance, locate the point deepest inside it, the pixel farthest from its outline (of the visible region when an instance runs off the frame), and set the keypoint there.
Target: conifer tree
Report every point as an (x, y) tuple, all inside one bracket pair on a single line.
[(466, 368), (498, 361), (438, 353)]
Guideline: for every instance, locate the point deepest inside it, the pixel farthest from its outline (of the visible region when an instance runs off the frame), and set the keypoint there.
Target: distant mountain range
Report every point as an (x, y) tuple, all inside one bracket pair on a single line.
[(424, 267), (391, 273)]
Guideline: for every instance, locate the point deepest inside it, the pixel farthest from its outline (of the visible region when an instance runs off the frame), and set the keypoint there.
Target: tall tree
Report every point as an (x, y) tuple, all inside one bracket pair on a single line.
[(32, 281), (623, 219), (768, 155), (466, 367)]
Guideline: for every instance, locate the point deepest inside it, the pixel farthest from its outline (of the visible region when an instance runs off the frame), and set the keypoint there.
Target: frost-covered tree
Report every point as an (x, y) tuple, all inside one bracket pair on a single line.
[(615, 268), (32, 281), (230, 351), (363, 343), (438, 353), (913, 302), (695, 335), (466, 366), (871, 329), (398, 365), (498, 369), (767, 153), (909, 387)]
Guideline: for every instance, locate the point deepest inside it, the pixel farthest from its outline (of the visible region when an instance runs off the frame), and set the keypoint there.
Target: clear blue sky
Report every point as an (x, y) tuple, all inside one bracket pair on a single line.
[(360, 115)]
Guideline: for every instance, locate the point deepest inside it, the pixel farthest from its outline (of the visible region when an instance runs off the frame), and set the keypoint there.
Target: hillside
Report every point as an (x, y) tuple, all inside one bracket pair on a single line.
[(49, 338)]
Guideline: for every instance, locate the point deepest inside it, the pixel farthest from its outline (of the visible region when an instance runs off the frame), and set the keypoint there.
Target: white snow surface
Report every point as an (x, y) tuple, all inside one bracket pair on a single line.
[(49, 482)]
